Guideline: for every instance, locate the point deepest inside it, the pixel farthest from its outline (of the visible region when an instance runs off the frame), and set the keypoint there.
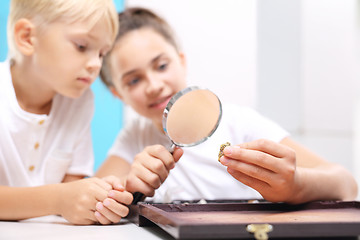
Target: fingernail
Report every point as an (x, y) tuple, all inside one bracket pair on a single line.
[(106, 202), (120, 187), (97, 214), (224, 161), (99, 206), (228, 151), (111, 194)]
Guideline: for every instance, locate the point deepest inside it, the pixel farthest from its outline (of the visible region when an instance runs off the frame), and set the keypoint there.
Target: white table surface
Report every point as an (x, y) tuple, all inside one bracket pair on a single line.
[(55, 227)]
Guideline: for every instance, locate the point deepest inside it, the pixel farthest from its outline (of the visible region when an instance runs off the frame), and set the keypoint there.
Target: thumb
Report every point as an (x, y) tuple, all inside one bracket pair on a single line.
[(178, 152)]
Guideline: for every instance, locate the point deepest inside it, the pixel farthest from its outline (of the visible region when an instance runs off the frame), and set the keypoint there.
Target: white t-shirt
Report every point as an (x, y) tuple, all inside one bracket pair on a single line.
[(198, 174), (40, 149)]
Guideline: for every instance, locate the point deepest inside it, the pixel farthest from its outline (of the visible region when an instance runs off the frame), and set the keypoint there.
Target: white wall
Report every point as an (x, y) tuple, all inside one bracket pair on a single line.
[(219, 40), (331, 78), (296, 61)]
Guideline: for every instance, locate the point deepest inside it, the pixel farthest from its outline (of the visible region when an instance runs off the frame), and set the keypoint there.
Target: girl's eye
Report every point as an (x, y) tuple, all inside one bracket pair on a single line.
[(163, 67)]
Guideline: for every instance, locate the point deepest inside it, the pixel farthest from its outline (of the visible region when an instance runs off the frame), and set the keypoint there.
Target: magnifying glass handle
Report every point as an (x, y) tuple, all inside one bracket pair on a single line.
[(172, 148), (137, 197)]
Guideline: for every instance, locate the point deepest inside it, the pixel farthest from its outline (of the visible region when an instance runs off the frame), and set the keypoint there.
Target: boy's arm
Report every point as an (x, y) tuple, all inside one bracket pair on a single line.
[(75, 201), (18, 203), (70, 178)]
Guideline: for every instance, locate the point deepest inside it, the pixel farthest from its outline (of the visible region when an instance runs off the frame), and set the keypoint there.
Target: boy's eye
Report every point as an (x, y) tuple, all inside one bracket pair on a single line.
[(133, 81), (81, 47)]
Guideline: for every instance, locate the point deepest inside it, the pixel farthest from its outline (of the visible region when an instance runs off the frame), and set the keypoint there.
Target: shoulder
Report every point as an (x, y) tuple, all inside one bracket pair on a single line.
[(5, 65), (5, 75)]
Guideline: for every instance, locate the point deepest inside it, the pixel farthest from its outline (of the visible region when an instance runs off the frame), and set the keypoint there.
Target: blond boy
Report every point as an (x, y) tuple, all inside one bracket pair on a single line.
[(56, 48)]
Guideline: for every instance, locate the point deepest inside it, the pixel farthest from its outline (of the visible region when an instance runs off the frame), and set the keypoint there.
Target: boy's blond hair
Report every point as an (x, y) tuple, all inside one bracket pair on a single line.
[(43, 12)]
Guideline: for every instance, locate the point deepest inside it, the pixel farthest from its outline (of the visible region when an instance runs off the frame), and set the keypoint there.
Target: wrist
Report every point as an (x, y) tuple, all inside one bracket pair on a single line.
[(298, 194), (56, 198)]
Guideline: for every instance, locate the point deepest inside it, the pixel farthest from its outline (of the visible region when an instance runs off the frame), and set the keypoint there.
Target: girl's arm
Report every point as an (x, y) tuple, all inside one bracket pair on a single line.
[(148, 171), (287, 172), (319, 179), (115, 166)]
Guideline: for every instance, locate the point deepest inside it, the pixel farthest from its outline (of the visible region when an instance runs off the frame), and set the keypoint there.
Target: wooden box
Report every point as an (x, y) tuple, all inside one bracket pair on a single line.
[(261, 220)]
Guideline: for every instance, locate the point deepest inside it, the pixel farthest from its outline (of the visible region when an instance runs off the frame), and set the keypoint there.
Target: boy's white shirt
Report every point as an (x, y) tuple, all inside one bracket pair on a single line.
[(198, 174), (40, 149)]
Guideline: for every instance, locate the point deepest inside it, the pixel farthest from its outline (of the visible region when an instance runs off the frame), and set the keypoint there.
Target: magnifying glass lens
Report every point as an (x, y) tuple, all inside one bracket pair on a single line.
[(193, 117)]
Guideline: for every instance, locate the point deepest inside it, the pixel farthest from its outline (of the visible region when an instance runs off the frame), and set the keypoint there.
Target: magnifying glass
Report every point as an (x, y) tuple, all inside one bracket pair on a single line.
[(190, 118)]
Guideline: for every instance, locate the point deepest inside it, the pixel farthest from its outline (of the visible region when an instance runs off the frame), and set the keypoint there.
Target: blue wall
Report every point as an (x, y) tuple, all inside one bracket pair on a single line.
[(108, 118)]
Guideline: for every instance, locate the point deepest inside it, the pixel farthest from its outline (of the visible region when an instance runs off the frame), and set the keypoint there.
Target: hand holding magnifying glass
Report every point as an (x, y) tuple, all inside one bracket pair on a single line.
[(190, 118)]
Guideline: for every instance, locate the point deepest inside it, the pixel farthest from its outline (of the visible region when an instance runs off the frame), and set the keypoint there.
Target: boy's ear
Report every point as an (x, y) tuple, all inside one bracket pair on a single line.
[(115, 93), (24, 36)]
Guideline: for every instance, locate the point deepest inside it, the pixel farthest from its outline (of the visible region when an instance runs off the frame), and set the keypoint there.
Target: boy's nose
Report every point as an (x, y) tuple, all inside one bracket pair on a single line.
[(94, 64)]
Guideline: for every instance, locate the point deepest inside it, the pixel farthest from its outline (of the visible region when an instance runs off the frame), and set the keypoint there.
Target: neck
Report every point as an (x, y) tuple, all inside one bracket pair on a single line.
[(31, 93)]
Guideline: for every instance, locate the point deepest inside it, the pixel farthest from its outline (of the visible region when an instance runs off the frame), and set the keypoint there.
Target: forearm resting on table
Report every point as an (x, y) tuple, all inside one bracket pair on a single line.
[(18, 203), (332, 182), (319, 179)]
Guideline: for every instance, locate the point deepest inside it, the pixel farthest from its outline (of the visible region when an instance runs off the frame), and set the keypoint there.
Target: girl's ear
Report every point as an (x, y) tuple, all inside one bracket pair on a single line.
[(115, 93), (182, 59), (24, 36)]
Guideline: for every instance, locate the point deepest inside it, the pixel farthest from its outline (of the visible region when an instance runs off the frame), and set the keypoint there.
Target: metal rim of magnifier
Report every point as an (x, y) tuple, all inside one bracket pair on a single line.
[(171, 103)]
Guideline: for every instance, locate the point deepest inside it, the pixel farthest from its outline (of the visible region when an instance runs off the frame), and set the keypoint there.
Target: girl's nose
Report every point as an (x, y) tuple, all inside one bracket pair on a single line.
[(154, 86)]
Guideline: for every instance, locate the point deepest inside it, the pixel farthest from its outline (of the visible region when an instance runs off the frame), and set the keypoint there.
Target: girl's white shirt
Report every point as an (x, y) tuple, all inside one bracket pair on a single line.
[(38, 149), (198, 174)]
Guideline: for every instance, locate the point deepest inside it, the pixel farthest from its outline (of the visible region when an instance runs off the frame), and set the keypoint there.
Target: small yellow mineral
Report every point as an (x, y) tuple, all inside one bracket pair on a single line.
[(222, 147)]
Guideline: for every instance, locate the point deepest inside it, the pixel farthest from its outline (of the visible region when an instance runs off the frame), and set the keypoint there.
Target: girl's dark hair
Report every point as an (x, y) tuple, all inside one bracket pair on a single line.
[(133, 19)]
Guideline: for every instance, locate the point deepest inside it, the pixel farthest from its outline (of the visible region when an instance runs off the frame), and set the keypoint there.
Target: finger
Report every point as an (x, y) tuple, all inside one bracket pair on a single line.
[(101, 219), (254, 183), (110, 216), (118, 209), (99, 193), (157, 172), (160, 152), (267, 146), (91, 217), (134, 184), (250, 156), (149, 176), (103, 184), (250, 170), (123, 197), (115, 182)]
